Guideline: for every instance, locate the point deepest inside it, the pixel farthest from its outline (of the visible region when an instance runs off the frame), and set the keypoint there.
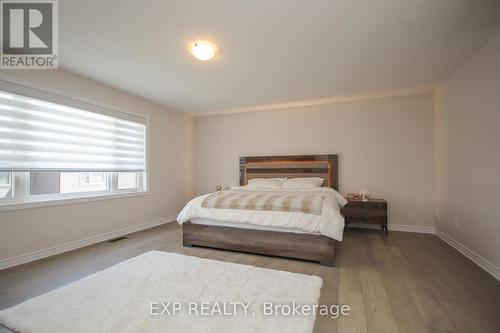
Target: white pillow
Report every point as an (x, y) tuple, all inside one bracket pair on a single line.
[(266, 182), (298, 183)]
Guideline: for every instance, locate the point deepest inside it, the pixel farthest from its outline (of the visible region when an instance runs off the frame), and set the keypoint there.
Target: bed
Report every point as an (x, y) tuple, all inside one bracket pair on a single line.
[(308, 228)]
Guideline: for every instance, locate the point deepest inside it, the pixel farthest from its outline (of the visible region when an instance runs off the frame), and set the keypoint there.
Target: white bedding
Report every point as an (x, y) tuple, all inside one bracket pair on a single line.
[(330, 223)]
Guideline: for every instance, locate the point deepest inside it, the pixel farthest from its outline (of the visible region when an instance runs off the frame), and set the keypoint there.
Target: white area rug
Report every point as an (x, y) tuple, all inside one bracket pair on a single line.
[(118, 299)]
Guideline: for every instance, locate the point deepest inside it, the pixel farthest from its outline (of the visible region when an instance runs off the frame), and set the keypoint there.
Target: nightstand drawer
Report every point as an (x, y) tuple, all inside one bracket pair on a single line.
[(350, 219), (376, 212), (356, 211)]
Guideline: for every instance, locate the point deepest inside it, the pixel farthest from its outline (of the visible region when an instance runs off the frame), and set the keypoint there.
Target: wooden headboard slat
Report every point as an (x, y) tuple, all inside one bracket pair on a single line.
[(285, 175), (288, 170), (325, 166), (293, 164)]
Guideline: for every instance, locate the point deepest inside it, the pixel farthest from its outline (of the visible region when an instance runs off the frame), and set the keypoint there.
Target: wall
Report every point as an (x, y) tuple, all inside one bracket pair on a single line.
[(468, 154), (384, 145), (28, 230)]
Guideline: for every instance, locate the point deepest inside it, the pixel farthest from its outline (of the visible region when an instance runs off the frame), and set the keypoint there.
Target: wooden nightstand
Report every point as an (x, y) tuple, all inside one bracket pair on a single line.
[(373, 211)]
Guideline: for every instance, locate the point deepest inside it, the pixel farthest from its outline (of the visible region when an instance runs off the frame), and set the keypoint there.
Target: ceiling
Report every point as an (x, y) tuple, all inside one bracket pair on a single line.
[(270, 51)]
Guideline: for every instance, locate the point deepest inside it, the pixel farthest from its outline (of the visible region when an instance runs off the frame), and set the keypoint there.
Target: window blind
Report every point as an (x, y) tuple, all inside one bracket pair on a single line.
[(37, 135)]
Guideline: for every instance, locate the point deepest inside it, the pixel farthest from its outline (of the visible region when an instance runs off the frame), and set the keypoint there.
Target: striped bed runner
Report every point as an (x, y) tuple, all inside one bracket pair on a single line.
[(268, 201)]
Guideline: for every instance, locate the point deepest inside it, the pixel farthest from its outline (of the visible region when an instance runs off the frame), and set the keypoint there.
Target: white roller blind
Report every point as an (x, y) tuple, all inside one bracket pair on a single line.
[(36, 135)]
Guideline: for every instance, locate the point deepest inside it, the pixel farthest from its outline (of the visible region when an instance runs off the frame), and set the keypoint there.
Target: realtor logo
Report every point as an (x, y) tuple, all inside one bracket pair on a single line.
[(29, 34)]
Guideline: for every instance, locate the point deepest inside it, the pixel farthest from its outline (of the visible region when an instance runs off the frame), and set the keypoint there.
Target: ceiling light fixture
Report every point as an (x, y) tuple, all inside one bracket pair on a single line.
[(203, 50)]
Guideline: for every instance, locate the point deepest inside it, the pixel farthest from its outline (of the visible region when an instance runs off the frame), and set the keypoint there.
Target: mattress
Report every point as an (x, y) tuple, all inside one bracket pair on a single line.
[(205, 221)]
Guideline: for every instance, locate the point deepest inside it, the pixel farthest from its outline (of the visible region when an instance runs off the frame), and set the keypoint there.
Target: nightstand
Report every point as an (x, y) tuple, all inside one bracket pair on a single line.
[(373, 211)]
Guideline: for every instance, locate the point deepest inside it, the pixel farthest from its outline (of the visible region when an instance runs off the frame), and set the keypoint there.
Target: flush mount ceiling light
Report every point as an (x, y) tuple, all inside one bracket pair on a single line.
[(203, 50)]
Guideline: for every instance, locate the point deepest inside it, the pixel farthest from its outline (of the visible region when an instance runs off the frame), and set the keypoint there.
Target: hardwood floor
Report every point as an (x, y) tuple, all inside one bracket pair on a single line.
[(404, 283)]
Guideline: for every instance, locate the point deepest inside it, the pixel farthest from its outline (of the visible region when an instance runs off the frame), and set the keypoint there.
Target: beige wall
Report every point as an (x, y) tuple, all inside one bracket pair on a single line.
[(468, 154), (384, 145), (27, 230)]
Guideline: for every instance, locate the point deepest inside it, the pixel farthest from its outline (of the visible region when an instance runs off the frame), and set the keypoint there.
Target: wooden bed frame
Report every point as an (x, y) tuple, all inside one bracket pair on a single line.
[(275, 243)]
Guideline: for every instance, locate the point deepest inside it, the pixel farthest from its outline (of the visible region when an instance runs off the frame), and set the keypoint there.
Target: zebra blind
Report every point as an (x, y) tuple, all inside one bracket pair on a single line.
[(37, 135)]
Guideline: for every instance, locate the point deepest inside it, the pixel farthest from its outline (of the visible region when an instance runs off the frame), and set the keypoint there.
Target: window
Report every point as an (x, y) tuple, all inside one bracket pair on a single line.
[(6, 187), (84, 182), (72, 182), (92, 178), (51, 151), (4, 178), (127, 181)]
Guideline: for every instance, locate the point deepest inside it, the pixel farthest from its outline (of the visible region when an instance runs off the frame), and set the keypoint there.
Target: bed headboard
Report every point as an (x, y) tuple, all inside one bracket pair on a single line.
[(325, 166)]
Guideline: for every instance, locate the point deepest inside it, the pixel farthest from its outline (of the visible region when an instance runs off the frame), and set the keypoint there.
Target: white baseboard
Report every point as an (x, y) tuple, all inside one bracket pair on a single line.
[(399, 227), (44, 253), (412, 228), (473, 256)]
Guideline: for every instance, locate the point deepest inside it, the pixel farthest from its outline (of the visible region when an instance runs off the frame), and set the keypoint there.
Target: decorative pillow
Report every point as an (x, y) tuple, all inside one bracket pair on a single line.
[(266, 182), (298, 183)]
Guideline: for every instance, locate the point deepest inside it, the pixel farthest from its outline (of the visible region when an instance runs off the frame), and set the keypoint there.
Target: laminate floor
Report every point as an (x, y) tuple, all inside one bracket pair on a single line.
[(406, 282)]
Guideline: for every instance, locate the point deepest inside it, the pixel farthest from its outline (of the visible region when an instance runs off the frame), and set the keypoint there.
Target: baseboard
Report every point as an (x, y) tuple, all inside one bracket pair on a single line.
[(473, 256), (412, 228), (40, 254), (399, 227)]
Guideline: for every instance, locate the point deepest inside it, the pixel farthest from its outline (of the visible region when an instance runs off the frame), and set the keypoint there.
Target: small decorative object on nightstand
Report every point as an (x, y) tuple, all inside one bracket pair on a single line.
[(218, 188), (364, 194), (372, 211)]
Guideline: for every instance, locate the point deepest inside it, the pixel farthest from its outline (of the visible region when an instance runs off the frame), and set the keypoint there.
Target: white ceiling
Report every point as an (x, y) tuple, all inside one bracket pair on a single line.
[(271, 51)]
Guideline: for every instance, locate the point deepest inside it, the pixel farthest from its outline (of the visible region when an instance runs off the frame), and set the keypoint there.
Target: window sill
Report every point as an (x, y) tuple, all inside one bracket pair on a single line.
[(8, 206)]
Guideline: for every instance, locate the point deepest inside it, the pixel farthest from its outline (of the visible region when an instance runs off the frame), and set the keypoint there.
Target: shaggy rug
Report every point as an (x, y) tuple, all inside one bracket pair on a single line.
[(167, 292)]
